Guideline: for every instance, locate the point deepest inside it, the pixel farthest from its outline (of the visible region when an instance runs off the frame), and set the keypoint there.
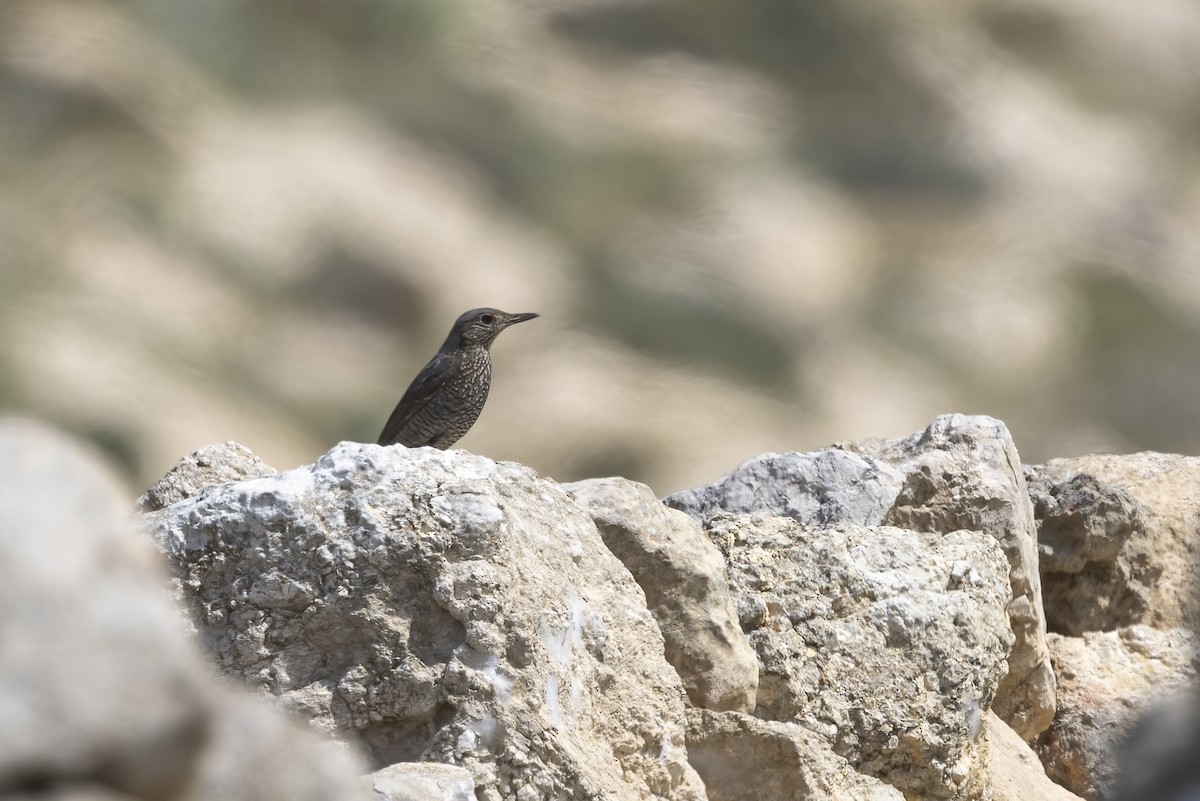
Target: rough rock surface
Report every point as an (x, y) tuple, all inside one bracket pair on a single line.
[(1120, 539), (422, 781), (683, 576), (102, 695), (1017, 775), (439, 606), (822, 488), (743, 757), (210, 466), (960, 473), (1106, 680), (887, 642), (963, 472)]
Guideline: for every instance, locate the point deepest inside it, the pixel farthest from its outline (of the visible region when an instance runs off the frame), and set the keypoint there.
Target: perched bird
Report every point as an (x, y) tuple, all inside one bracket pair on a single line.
[(446, 397)]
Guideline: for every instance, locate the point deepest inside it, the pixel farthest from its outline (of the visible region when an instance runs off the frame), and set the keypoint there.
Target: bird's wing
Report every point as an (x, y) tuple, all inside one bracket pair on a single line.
[(423, 387)]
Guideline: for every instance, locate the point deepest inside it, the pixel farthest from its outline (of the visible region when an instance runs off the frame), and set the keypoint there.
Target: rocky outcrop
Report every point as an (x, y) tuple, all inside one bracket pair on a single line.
[(960, 473), (103, 693), (860, 623), (1120, 539), (1105, 681), (687, 590), (433, 605), (888, 643)]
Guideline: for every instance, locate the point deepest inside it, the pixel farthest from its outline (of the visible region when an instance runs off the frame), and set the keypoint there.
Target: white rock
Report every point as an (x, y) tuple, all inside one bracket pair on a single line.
[(438, 606)]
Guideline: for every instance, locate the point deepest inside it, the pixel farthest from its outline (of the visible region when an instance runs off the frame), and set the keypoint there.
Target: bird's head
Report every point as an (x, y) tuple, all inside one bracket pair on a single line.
[(482, 326)]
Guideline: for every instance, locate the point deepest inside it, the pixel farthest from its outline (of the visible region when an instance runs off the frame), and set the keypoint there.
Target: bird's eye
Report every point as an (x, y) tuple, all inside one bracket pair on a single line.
[(487, 319)]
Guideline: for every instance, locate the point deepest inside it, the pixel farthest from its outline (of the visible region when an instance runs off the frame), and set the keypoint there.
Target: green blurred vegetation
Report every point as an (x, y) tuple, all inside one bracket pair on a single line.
[(850, 112)]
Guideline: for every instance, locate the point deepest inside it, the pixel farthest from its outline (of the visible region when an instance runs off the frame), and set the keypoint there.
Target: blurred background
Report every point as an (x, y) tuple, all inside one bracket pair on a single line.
[(749, 227)]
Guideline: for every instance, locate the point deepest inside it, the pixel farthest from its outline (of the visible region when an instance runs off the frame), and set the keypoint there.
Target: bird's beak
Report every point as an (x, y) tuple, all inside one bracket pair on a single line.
[(513, 319)]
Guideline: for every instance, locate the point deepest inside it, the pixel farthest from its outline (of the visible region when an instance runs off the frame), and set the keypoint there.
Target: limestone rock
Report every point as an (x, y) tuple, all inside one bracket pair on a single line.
[(422, 781), (101, 692), (208, 467), (960, 473), (963, 472), (822, 488), (1017, 775), (887, 642), (1106, 680), (742, 757), (1120, 538), (683, 576), (438, 606)]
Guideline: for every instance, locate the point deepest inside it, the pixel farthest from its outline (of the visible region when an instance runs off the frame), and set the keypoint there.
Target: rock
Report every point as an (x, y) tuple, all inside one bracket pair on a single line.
[(683, 576), (822, 488), (208, 467), (960, 473), (1120, 539), (889, 643), (964, 472), (438, 606), (742, 757), (99, 685), (1106, 680), (1017, 775), (423, 781)]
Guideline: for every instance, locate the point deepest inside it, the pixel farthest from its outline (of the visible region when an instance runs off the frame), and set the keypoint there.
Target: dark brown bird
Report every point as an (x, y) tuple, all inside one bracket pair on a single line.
[(446, 397)]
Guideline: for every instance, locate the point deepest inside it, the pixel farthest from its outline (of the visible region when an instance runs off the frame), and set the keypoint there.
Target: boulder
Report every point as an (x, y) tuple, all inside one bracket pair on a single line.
[(960, 473), (888, 643), (1120, 539), (740, 756), (1106, 681), (102, 694), (683, 576), (438, 606)]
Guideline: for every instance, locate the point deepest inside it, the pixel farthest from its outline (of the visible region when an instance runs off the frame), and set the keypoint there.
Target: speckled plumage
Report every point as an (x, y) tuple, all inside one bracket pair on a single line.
[(446, 397)]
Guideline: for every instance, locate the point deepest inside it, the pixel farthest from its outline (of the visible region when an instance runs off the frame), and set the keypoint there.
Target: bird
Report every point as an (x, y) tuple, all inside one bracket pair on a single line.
[(446, 397)]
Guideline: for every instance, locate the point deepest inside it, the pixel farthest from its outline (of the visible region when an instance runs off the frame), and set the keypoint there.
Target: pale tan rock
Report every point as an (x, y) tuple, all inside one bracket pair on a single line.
[(101, 692), (963, 472), (683, 576), (1106, 681), (439, 606), (1017, 774), (1120, 539), (743, 757), (888, 643)]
